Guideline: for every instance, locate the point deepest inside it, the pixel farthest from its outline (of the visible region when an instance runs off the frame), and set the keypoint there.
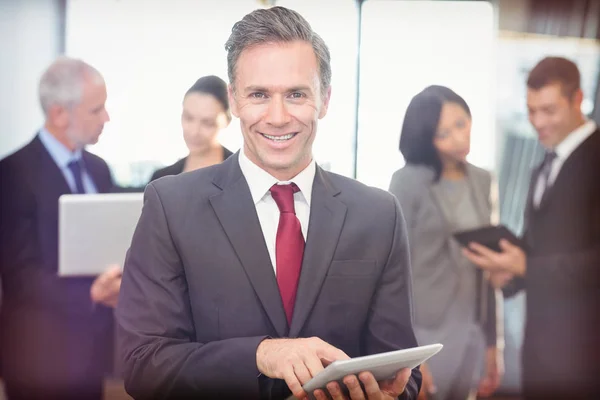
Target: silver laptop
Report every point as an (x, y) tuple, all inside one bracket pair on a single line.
[(95, 230)]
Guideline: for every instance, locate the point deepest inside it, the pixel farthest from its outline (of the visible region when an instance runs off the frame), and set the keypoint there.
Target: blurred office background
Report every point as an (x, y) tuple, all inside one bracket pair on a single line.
[(383, 52)]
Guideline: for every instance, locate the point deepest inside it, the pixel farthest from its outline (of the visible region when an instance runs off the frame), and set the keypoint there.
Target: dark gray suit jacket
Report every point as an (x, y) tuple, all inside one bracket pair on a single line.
[(49, 329), (199, 293), (435, 254), (561, 347)]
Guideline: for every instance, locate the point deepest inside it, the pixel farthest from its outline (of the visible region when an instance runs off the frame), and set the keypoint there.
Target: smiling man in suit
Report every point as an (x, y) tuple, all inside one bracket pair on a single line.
[(244, 278), (560, 266), (55, 333)]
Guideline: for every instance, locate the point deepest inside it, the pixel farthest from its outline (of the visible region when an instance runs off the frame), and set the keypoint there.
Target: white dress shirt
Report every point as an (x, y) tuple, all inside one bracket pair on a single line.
[(563, 150), (259, 182)]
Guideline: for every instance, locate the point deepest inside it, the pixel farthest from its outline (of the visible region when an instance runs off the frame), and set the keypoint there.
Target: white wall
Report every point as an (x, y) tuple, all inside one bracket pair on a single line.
[(30, 40)]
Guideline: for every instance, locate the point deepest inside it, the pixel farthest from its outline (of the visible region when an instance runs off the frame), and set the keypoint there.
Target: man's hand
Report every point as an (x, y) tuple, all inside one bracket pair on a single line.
[(500, 279), (105, 289), (373, 390), (494, 369), (427, 385), (295, 360), (511, 259)]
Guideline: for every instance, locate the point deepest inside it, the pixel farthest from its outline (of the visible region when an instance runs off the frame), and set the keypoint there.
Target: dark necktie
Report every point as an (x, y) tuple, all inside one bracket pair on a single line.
[(289, 246), (545, 172), (75, 167)]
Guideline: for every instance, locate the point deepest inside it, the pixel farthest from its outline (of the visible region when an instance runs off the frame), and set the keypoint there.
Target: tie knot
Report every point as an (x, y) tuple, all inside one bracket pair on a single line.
[(74, 165), (284, 197)]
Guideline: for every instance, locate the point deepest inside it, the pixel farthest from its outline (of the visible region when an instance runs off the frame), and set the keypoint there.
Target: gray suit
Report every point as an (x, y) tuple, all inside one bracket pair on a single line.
[(439, 272), (199, 293)]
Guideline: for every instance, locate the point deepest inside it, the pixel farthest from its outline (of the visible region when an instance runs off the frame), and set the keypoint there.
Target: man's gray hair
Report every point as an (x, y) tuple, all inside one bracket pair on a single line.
[(62, 83), (276, 25)]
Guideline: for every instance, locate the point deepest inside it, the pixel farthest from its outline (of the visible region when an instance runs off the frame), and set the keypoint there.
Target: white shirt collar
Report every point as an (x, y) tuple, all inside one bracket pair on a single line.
[(61, 155), (574, 139), (260, 181)]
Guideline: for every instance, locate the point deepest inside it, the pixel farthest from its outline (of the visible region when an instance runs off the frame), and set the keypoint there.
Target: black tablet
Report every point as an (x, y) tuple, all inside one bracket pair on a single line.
[(488, 236)]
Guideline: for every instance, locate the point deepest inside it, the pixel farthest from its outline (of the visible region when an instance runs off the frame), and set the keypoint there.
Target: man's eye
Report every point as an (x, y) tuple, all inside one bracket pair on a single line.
[(297, 95), (257, 95)]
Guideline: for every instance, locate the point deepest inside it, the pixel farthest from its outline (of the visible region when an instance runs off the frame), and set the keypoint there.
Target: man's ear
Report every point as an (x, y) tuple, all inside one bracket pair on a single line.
[(232, 101), (577, 99), (325, 103), (58, 116)]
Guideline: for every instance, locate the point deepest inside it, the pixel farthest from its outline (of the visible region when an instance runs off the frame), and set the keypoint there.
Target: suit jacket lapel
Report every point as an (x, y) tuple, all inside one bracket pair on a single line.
[(236, 212), (327, 215), (529, 206), (94, 172), (565, 172), (53, 181)]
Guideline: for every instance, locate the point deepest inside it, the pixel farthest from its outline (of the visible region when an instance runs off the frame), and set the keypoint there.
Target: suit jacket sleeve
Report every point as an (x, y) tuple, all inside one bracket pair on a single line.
[(157, 338), (391, 318), (404, 192)]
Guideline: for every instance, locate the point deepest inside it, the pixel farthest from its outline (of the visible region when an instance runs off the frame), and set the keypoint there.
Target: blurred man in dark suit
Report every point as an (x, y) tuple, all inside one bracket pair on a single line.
[(56, 333), (560, 266)]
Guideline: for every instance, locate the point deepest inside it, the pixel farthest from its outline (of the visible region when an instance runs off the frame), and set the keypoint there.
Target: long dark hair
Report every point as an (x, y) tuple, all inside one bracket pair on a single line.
[(420, 125)]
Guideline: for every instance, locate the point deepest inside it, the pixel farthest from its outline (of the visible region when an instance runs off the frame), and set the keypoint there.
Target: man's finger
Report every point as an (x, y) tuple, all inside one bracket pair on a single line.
[(371, 386), (335, 391), (353, 385), (292, 382), (320, 395), (314, 365), (114, 270), (482, 250), (477, 259), (302, 373), (395, 387), (331, 353), (505, 245)]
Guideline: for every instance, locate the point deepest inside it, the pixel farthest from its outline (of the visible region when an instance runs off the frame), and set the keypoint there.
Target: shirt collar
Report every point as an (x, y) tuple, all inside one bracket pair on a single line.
[(61, 155), (260, 181), (574, 139)]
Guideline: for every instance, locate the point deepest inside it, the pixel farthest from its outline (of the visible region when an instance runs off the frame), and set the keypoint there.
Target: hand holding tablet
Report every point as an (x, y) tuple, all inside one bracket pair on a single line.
[(488, 236), (383, 366)]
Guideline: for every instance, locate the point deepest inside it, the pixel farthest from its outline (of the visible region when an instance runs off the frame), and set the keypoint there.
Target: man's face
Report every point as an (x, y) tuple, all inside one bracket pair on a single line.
[(86, 119), (278, 100), (553, 114)]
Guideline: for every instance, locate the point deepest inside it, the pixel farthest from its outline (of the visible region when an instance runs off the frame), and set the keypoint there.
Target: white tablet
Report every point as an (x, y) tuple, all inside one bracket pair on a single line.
[(95, 230), (383, 366)]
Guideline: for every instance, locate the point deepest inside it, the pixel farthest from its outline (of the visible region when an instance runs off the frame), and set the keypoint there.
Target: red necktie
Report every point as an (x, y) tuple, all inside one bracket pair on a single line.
[(289, 246)]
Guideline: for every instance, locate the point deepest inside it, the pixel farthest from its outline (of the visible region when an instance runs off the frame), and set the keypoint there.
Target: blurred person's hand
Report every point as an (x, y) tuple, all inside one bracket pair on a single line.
[(494, 370), (511, 259), (500, 279), (105, 289), (427, 386)]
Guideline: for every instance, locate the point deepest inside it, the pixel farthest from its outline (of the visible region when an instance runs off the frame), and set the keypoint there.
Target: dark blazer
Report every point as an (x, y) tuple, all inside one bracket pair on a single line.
[(561, 347), (435, 255), (51, 334), (177, 168), (199, 293)]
